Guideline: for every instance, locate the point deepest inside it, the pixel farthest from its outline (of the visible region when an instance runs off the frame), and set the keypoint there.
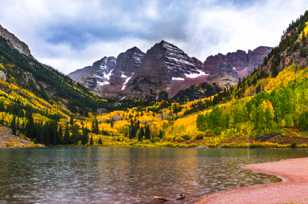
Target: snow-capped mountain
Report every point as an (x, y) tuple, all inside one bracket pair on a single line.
[(163, 71), (134, 74)]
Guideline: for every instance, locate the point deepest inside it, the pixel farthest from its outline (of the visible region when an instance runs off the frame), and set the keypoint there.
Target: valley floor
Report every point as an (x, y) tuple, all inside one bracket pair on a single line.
[(292, 189), (8, 140)]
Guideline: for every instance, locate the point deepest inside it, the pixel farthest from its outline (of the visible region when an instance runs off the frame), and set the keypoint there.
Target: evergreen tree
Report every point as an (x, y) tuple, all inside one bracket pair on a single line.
[(66, 137), (72, 121), (75, 134), (14, 125), (303, 121), (140, 134), (54, 136), (95, 128), (161, 134), (60, 133), (132, 129), (30, 126), (147, 132), (85, 136)]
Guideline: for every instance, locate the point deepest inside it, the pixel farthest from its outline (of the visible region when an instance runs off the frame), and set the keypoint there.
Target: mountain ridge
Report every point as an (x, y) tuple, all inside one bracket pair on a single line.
[(14, 41)]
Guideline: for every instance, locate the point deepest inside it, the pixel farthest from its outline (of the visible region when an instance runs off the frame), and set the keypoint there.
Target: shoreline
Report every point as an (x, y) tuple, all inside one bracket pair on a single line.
[(293, 187), (10, 141)]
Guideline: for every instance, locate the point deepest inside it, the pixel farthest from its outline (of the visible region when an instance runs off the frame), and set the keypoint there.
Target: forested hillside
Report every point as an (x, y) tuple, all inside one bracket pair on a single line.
[(44, 81), (36, 100)]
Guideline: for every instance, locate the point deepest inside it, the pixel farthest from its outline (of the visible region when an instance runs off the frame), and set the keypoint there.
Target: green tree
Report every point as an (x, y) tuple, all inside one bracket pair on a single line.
[(147, 132), (14, 125), (91, 141), (140, 134), (85, 136), (30, 129), (100, 142), (66, 136), (95, 128), (303, 121)]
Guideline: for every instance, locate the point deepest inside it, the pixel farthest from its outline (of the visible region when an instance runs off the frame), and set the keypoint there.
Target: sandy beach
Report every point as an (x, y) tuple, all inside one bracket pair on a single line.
[(293, 189)]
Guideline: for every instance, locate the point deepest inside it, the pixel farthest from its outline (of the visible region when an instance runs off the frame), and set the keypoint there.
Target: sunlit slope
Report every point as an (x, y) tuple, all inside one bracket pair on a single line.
[(288, 91)]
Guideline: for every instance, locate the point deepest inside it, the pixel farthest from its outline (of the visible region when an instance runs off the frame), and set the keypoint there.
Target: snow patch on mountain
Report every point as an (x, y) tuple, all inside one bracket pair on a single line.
[(107, 75), (103, 83), (180, 61), (125, 83), (196, 75), (177, 79)]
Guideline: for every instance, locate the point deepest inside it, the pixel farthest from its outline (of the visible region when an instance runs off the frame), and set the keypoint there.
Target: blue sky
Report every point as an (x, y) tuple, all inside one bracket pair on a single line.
[(70, 34)]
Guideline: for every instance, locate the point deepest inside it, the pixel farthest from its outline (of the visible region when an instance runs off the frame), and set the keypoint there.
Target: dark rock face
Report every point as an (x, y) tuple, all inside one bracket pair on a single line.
[(228, 69), (108, 77), (130, 61), (171, 60), (163, 67), (14, 42)]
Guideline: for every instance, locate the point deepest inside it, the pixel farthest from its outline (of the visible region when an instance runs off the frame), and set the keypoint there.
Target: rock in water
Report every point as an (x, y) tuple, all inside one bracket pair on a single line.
[(180, 196), (158, 200)]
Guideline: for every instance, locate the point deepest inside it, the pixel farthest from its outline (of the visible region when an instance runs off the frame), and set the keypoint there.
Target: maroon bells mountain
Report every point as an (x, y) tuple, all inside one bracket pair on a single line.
[(164, 70)]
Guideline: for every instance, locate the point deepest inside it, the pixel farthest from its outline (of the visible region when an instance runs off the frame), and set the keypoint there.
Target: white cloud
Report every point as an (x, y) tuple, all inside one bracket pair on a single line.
[(70, 59), (209, 27), (152, 10), (225, 29)]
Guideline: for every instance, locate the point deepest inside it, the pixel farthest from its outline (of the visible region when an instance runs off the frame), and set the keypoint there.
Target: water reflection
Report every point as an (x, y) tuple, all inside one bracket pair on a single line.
[(126, 175)]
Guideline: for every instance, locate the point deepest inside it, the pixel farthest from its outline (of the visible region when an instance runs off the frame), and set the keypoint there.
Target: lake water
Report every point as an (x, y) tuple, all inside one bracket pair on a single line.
[(127, 175)]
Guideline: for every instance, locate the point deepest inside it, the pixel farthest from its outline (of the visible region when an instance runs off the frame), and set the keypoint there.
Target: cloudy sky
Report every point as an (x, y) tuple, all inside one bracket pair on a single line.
[(70, 34)]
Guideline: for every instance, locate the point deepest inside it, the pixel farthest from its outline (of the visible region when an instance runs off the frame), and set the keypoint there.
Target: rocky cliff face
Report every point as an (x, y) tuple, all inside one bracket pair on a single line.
[(109, 76), (166, 69), (226, 70), (14, 42)]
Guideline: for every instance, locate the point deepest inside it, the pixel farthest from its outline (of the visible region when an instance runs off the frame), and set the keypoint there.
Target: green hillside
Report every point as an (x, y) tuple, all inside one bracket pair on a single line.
[(45, 81)]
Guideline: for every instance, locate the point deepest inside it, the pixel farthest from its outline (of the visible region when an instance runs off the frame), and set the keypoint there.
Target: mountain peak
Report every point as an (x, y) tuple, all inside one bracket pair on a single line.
[(14, 42), (262, 49), (234, 65), (166, 45), (104, 61), (134, 49)]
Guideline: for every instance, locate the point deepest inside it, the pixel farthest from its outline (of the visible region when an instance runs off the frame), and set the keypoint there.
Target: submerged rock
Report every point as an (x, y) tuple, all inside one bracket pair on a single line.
[(159, 200), (180, 196)]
